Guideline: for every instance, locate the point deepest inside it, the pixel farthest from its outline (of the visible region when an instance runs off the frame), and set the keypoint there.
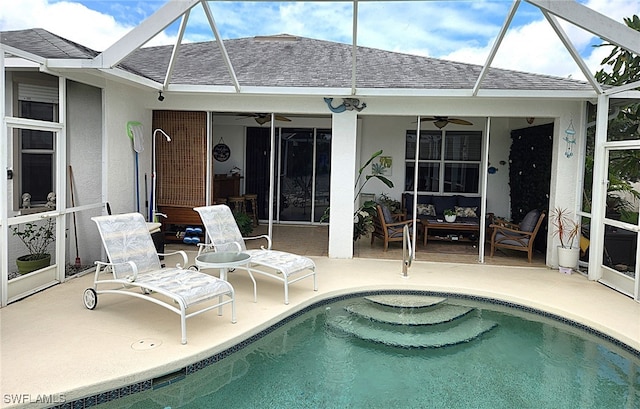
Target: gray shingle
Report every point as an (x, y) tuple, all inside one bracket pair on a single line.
[(287, 61)]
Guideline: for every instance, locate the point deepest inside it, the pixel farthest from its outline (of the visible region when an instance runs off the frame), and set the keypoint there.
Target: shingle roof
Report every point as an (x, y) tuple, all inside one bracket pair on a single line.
[(288, 61), (45, 44)]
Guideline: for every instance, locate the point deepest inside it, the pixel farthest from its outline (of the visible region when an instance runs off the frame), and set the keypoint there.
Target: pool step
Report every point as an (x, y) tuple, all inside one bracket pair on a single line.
[(405, 300), (465, 331), (410, 321), (408, 316)]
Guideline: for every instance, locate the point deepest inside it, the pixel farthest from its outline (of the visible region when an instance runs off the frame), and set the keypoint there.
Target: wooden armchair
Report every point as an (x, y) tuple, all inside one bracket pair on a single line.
[(388, 227), (517, 237)]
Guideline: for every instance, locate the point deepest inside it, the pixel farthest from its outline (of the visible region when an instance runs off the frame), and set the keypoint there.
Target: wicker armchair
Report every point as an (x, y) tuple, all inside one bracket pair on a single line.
[(388, 227), (517, 237)]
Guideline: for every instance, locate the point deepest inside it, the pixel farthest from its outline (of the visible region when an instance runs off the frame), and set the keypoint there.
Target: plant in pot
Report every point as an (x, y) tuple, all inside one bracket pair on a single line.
[(450, 215), (244, 222), (37, 238), (364, 214), (567, 230)]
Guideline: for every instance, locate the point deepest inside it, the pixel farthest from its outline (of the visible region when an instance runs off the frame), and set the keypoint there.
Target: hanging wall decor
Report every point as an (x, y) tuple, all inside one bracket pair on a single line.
[(570, 139), (221, 151)]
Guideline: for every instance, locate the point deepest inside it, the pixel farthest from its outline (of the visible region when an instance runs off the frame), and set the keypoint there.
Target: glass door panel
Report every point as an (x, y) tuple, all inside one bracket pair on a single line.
[(620, 253), (296, 174), (323, 173)]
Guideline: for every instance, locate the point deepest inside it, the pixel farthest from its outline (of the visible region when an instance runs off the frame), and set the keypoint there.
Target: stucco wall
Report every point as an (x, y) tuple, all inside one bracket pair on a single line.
[(124, 104), (84, 154)]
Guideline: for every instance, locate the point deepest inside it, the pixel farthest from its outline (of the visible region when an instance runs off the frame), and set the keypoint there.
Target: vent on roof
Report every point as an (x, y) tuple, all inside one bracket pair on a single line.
[(277, 37), (37, 93)]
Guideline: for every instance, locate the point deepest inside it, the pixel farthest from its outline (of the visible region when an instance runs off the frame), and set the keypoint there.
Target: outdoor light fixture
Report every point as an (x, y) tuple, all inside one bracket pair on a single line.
[(160, 96)]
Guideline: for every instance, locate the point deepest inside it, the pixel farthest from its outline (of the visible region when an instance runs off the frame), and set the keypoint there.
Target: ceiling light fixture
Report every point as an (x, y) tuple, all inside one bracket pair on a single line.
[(160, 96), (441, 123)]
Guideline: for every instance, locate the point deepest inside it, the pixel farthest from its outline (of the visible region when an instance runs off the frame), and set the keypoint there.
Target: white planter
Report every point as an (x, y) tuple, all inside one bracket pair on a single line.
[(450, 218), (568, 259)]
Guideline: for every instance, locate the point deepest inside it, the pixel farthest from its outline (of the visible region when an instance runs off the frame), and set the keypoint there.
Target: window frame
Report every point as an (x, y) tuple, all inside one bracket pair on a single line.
[(441, 161), (44, 98)]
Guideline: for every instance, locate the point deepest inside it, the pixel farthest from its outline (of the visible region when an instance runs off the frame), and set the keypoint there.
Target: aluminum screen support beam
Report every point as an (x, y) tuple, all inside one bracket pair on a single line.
[(176, 48), (223, 50), (593, 22), (496, 47), (354, 48), (145, 31), (553, 21)]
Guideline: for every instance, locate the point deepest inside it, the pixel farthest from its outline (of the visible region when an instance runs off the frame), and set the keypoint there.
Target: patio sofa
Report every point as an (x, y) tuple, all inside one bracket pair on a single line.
[(432, 207)]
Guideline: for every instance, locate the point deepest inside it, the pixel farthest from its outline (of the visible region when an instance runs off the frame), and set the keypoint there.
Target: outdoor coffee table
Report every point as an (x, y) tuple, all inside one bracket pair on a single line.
[(443, 225), (222, 260)]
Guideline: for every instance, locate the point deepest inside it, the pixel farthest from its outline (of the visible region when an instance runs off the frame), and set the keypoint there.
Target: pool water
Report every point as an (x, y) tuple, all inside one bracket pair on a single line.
[(453, 353)]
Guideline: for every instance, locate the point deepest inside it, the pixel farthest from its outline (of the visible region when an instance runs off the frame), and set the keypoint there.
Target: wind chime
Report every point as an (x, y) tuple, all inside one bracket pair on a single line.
[(570, 139)]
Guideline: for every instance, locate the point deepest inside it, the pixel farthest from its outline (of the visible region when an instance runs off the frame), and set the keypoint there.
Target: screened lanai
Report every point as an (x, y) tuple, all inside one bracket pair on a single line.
[(359, 98)]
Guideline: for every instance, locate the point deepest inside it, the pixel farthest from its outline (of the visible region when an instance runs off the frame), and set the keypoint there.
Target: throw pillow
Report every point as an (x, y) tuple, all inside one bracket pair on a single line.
[(426, 210), (466, 211)]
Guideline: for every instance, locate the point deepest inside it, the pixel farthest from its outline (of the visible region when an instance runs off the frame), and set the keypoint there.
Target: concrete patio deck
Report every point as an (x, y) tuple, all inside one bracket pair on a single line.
[(53, 346)]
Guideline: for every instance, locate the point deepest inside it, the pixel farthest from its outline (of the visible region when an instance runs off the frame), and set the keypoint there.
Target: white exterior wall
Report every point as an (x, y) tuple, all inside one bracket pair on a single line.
[(124, 104), (84, 154)]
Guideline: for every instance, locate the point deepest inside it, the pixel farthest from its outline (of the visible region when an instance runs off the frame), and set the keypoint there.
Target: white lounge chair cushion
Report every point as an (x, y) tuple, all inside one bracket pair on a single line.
[(287, 263), (191, 286)]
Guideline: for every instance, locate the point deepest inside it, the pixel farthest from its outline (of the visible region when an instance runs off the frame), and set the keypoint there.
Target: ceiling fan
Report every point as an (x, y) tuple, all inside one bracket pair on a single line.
[(442, 121), (264, 118)]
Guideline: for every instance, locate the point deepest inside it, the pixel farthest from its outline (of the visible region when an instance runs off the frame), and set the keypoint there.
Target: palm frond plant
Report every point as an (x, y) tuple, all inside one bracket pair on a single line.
[(364, 214), (565, 227)]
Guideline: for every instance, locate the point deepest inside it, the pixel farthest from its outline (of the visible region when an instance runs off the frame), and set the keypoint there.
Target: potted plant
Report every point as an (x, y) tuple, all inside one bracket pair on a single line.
[(363, 216), (567, 230), (244, 222), (37, 238), (450, 215)]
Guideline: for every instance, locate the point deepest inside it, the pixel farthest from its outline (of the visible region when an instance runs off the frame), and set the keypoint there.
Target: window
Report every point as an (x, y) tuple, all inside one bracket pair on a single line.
[(448, 161), (36, 153)]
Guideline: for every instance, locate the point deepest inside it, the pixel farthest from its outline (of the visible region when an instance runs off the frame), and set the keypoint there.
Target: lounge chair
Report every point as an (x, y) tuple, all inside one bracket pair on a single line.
[(225, 235), (135, 266)]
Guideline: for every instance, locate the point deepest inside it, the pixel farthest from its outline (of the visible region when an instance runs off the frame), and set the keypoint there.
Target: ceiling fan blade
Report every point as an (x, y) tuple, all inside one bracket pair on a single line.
[(428, 118), (459, 121), (282, 118)]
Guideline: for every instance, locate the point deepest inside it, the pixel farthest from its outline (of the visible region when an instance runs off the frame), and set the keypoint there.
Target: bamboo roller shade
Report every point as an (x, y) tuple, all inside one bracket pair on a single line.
[(181, 164)]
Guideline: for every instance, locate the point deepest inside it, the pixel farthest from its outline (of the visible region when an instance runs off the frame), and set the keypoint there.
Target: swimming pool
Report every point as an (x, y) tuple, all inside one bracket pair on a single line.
[(446, 351)]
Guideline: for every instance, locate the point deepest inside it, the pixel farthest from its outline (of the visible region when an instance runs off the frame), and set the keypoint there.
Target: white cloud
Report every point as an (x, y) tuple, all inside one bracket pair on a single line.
[(535, 47), (456, 30), (71, 20)]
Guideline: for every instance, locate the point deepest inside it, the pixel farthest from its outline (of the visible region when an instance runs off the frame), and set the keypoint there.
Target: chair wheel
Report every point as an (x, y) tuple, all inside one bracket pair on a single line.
[(90, 298)]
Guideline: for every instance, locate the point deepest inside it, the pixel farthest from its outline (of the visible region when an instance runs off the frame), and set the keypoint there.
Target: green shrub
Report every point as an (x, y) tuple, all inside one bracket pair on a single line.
[(244, 222)]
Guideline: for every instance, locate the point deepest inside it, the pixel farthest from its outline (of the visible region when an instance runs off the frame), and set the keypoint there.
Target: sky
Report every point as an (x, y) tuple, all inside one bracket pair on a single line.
[(458, 30)]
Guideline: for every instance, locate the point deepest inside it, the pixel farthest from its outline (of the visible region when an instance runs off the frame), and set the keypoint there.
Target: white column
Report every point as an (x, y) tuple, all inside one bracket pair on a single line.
[(343, 171), (599, 190), (4, 188)]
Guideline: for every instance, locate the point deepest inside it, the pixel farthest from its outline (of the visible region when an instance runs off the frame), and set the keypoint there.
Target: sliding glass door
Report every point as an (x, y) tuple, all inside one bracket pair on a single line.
[(303, 166)]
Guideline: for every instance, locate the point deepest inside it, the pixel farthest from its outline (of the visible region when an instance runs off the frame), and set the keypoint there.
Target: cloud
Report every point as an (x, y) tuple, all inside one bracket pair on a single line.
[(535, 47), (454, 30), (71, 20)]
